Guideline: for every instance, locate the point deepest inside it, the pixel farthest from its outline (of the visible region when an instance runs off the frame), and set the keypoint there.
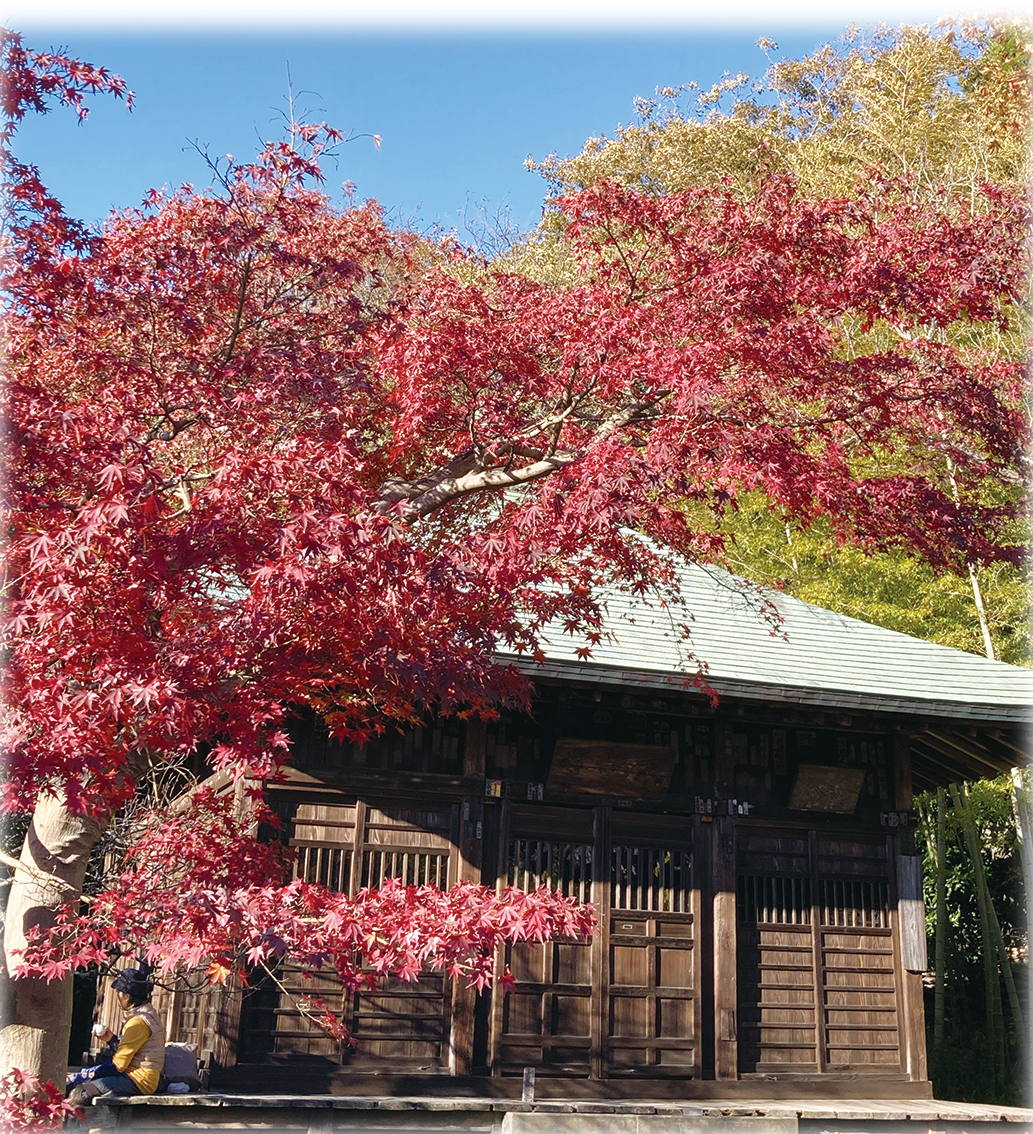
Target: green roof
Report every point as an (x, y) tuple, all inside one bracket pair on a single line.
[(813, 656)]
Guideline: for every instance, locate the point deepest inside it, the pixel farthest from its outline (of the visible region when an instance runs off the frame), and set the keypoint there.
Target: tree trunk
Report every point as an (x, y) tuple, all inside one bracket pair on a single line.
[(52, 868), (984, 622), (973, 578)]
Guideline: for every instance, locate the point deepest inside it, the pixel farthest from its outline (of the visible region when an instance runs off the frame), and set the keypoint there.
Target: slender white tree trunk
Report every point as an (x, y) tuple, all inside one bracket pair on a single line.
[(984, 624), (973, 578)]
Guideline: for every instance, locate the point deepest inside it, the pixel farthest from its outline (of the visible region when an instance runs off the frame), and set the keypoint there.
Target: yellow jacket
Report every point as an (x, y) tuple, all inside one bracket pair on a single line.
[(141, 1050)]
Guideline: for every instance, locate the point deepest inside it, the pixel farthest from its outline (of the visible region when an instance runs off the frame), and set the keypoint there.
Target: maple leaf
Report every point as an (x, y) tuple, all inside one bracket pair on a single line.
[(218, 972)]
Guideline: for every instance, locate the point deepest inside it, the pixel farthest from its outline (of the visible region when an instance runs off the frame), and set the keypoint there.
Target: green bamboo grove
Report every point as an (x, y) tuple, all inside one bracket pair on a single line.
[(976, 841)]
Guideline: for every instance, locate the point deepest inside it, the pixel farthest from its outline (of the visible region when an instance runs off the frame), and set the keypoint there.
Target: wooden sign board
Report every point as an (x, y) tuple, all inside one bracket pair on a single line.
[(818, 788), (602, 767)]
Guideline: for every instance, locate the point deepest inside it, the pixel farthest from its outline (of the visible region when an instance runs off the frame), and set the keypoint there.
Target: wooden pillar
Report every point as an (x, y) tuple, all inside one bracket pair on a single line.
[(699, 972), (914, 1027), (910, 923), (909, 920), (902, 770), (726, 1047), (464, 999), (599, 1019), (497, 998), (817, 958), (359, 837)]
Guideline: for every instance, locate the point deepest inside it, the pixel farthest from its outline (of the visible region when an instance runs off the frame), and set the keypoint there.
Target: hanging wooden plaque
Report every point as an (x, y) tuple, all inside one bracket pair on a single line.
[(601, 767), (819, 788)]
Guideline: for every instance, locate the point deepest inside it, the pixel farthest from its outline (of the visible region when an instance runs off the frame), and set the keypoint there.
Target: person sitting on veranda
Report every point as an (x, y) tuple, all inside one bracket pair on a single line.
[(135, 1068)]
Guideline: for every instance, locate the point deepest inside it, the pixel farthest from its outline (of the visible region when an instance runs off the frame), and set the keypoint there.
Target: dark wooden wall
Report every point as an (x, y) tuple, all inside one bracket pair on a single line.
[(737, 937)]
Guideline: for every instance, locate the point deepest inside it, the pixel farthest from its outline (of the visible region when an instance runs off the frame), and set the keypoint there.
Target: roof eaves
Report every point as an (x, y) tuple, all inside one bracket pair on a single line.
[(765, 691)]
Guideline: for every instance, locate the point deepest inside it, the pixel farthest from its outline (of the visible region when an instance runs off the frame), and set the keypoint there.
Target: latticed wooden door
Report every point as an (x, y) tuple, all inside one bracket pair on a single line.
[(402, 1025), (624, 1004), (547, 1021), (406, 1024), (860, 975), (652, 1007), (818, 975)]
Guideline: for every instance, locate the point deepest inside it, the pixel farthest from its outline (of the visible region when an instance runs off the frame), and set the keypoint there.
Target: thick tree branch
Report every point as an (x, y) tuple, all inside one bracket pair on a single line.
[(466, 474), (486, 480)]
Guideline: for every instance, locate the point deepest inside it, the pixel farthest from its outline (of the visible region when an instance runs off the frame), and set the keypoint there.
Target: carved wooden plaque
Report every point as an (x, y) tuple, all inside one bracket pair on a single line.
[(602, 767), (818, 788)]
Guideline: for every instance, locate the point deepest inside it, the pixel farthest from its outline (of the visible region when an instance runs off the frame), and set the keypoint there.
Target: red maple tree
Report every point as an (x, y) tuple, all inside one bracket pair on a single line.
[(263, 453)]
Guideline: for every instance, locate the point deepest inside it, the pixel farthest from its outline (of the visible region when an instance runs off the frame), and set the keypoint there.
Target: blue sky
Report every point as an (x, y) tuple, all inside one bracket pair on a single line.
[(458, 105)]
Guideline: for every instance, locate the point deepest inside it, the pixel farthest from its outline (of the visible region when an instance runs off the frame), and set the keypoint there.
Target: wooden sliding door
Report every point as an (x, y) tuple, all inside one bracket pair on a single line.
[(624, 1003), (652, 1013), (546, 1022), (819, 988), (397, 1025)]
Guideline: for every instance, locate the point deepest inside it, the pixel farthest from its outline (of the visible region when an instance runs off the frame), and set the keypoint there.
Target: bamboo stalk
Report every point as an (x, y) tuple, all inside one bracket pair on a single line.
[(940, 946), (1020, 801), (997, 936), (994, 1007)]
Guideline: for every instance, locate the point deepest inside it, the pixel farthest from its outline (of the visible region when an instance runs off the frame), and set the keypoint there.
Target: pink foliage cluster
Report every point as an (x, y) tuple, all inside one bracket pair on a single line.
[(266, 454), (196, 892), (257, 445), (30, 1105)]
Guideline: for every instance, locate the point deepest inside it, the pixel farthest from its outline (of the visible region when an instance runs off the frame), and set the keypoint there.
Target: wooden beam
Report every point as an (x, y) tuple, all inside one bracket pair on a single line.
[(971, 748), (902, 770), (921, 754), (1001, 738), (954, 769), (924, 770), (726, 1047), (953, 752)]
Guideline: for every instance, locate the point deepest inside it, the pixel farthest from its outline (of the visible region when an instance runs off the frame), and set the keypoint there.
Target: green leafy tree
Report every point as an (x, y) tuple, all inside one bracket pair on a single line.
[(943, 112)]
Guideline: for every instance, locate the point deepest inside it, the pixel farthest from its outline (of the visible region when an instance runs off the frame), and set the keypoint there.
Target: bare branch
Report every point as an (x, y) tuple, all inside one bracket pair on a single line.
[(466, 474)]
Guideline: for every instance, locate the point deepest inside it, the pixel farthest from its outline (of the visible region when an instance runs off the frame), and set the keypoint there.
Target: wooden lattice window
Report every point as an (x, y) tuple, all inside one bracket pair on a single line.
[(854, 902), (566, 867), (774, 900), (329, 866), (650, 878), (411, 868)]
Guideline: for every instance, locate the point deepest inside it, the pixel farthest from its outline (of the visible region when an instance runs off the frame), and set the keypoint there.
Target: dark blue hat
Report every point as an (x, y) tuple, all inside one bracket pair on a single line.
[(135, 983)]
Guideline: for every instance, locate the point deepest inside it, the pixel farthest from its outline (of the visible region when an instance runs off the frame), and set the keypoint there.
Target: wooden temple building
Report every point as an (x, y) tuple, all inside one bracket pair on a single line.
[(753, 864)]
